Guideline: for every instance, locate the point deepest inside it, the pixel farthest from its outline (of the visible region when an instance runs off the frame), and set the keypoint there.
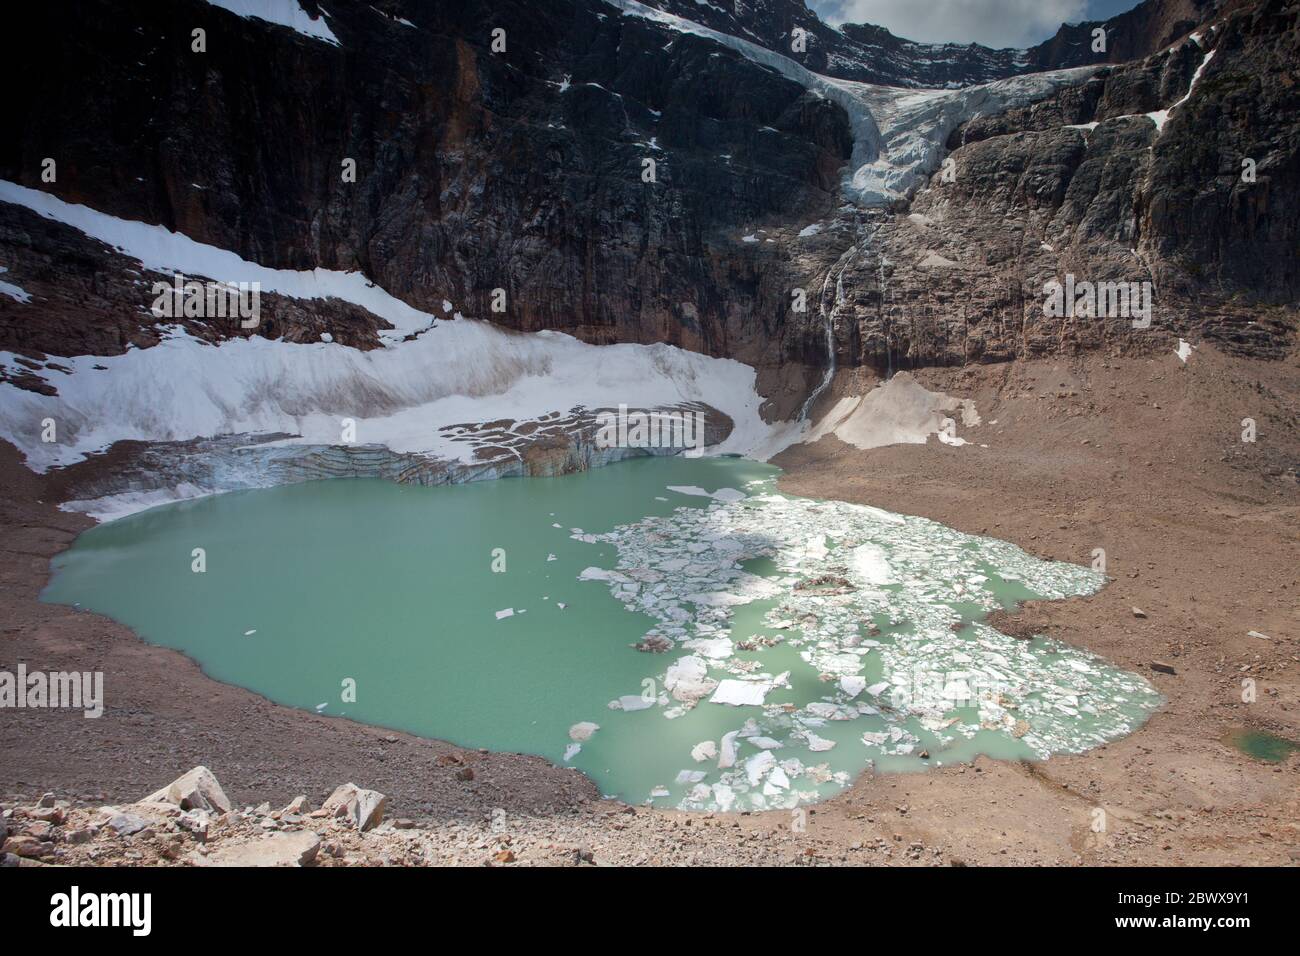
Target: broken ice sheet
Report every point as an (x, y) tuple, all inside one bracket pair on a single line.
[(883, 651)]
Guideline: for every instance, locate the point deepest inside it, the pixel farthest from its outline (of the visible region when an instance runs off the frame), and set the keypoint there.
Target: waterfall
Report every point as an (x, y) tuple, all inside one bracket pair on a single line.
[(884, 322), (843, 263)]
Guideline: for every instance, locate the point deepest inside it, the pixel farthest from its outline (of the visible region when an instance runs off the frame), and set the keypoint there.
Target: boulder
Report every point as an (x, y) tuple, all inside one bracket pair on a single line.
[(25, 846), (278, 849), (127, 824), (364, 809), (196, 790), (296, 807)]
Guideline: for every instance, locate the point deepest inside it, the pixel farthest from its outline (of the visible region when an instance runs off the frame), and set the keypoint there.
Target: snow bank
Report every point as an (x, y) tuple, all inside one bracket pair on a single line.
[(286, 13), (161, 250), (400, 396), (899, 411), (17, 293), (1160, 117)]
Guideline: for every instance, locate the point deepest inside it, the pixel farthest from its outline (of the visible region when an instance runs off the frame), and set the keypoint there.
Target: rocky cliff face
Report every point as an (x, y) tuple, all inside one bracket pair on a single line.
[(520, 170), (1104, 182), (523, 169)]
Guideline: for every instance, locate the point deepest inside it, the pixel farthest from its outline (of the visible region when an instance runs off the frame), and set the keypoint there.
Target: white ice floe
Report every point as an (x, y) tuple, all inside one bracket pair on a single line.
[(505, 613), (286, 13), (632, 703), (704, 750), (740, 693), (582, 731), (943, 677)]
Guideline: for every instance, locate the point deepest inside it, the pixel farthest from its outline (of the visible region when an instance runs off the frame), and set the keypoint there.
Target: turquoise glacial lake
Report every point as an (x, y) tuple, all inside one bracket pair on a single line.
[(799, 642)]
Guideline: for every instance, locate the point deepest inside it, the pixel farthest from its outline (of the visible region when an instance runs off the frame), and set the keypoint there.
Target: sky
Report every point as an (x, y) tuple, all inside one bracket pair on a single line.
[(995, 23)]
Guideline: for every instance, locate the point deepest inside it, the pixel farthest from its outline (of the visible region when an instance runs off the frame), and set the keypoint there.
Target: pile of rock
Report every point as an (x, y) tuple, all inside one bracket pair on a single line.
[(190, 821)]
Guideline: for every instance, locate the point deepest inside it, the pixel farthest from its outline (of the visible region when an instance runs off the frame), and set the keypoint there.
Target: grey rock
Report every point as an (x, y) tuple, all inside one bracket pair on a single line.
[(127, 824), (196, 790)]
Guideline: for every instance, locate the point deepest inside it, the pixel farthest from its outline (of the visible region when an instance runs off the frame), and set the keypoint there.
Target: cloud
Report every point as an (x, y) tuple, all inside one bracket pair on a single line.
[(995, 23)]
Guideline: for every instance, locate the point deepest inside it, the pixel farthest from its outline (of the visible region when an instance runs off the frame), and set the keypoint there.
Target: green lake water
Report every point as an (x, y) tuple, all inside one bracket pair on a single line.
[(869, 646)]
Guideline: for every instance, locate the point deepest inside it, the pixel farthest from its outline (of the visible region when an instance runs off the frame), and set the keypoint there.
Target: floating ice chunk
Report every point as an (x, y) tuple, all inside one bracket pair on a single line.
[(583, 730), (871, 565), (740, 693), (693, 490), (704, 750), (875, 690), (853, 686), (571, 751), (321, 706), (759, 765), (714, 648), (777, 778), (507, 612), (687, 679), (728, 756), (816, 549), (765, 743), (691, 776), (818, 744), (727, 494), (603, 574), (250, 633), (724, 796), (634, 702), (827, 711)]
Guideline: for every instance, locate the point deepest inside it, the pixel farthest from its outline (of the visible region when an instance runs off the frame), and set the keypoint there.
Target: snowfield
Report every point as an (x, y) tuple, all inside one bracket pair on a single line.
[(401, 395)]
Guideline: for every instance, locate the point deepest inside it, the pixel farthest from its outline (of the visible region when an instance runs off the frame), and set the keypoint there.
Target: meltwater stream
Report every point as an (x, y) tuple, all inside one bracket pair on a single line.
[(806, 639)]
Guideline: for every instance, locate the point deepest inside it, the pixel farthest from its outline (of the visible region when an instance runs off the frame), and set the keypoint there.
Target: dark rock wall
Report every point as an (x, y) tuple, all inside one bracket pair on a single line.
[(957, 276), (522, 170), (475, 171)]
